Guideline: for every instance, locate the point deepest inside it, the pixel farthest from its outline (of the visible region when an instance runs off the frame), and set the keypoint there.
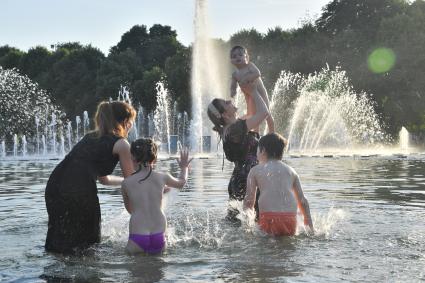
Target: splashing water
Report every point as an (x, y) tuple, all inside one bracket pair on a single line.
[(322, 112), (21, 100), (325, 224)]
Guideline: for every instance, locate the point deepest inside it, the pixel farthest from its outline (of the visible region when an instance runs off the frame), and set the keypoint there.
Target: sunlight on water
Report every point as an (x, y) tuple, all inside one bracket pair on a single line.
[(368, 219)]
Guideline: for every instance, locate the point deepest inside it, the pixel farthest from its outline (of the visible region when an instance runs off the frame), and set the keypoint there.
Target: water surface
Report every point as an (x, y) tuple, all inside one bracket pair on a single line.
[(368, 213)]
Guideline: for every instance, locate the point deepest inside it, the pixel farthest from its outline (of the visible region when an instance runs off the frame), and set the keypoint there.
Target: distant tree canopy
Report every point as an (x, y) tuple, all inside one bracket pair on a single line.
[(348, 33), (77, 77)]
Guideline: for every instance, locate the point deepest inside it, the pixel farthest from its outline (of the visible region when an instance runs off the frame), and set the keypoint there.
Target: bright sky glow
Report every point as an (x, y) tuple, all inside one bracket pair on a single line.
[(28, 23)]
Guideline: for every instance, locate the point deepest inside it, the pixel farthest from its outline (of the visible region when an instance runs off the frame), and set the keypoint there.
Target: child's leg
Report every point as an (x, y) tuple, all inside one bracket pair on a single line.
[(250, 108)]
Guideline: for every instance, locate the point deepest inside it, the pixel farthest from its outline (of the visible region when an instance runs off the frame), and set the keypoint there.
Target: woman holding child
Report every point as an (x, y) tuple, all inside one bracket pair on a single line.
[(71, 193), (239, 142)]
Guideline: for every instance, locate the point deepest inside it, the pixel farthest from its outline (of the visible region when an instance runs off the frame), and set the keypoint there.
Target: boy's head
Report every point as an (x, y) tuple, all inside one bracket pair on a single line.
[(273, 145), (144, 151), (239, 55)]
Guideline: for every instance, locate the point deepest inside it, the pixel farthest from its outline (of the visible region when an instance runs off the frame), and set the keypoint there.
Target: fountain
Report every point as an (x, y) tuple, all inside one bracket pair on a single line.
[(77, 123), (324, 114), (404, 138), (21, 103), (207, 75), (3, 149), (86, 122), (161, 117)]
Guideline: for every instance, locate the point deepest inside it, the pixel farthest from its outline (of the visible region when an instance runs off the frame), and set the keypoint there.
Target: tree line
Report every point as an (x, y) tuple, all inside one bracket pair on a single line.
[(347, 34)]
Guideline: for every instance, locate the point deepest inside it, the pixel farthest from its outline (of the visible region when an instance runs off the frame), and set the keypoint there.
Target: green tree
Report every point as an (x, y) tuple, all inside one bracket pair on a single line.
[(121, 69), (144, 91), (10, 57), (36, 64), (177, 70), (74, 78)]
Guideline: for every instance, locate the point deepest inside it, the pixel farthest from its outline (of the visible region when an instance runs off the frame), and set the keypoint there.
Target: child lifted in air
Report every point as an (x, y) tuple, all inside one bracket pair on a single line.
[(280, 190), (246, 72), (142, 193)]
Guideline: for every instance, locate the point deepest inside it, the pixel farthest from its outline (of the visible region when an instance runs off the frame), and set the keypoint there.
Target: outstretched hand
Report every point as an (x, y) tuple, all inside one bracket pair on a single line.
[(184, 160)]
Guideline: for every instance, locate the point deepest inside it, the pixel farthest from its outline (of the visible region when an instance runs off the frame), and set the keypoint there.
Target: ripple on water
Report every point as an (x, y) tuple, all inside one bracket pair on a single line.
[(356, 204)]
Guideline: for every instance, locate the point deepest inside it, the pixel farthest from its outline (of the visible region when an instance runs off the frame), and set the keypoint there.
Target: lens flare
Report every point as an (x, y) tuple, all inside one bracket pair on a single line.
[(381, 60)]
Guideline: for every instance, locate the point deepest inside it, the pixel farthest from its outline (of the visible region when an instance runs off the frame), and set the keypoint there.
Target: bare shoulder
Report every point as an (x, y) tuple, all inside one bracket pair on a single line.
[(121, 144), (128, 180), (254, 170), (160, 176), (289, 169)]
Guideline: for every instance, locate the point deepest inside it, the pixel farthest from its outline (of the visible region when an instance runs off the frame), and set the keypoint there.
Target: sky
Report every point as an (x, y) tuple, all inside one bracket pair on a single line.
[(101, 23)]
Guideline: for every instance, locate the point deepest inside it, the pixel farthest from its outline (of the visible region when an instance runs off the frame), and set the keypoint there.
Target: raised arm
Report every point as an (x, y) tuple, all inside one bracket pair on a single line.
[(251, 191), (261, 108), (122, 149), (183, 162), (302, 203)]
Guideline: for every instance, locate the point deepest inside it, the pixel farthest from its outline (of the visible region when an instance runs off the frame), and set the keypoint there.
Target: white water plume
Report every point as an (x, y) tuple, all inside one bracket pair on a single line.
[(322, 111), (208, 75)]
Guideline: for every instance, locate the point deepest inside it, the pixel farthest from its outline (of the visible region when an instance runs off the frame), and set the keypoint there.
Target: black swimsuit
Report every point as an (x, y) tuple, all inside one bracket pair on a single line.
[(240, 147)]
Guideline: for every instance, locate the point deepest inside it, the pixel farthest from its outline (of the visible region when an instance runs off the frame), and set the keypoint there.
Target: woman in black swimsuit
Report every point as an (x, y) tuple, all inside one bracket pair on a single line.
[(239, 142)]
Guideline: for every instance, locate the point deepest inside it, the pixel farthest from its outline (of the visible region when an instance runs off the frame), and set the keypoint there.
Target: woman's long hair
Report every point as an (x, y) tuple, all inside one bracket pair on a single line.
[(111, 117), (215, 111)]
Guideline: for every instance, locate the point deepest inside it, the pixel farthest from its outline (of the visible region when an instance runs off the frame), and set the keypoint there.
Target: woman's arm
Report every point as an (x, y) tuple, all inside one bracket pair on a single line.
[(122, 149), (261, 109), (125, 198), (251, 191)]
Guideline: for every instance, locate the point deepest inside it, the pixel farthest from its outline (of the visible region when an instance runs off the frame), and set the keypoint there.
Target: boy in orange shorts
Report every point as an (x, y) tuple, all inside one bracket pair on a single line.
[(280, 190)]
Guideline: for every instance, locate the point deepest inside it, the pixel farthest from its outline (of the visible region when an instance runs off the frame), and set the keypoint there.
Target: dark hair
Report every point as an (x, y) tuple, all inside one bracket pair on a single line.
[(144, 151), (217, 121), (111, 116), (274, 145), (238, 47)]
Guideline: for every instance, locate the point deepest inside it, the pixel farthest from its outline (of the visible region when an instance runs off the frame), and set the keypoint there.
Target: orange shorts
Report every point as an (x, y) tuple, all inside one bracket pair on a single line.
[(278, 223)]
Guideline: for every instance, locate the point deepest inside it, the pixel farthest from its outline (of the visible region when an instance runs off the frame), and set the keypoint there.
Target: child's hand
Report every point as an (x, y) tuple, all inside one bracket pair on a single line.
[(184, 160), (167, 189)]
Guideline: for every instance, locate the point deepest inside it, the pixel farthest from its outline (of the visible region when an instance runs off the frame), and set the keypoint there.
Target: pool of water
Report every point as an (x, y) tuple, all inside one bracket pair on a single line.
[(368, 213)]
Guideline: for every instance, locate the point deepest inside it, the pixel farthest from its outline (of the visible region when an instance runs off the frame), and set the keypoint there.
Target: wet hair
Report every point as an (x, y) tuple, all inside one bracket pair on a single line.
[(144, 151), (238, 47), (217, 119), (274, 145), (111, 117)]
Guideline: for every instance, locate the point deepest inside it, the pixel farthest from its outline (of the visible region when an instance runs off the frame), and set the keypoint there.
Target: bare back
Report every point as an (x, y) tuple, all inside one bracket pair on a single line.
[(145, 201), (275, 181)]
